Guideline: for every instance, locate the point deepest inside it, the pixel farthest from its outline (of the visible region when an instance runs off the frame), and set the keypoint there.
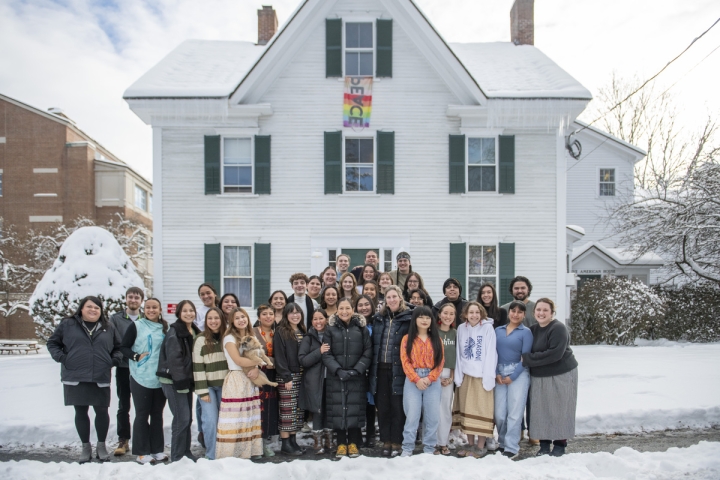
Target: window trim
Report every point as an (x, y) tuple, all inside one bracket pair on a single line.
[(364, 135), (222, 164), (495, 244), (252, 268), (496, 138), (600, 182), (135, 202), (360, 19)]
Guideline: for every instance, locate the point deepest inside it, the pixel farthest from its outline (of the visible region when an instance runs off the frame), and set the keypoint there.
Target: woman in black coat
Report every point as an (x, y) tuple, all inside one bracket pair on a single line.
[(312, 388), (86, 348), (347, 361)]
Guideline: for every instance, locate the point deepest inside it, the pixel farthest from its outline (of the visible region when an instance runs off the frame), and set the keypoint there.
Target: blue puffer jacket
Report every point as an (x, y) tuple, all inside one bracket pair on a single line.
[(399, 324)]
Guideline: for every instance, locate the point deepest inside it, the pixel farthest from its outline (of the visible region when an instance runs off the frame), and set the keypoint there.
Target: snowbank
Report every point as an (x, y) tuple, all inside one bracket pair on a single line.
[(699, 461), (622, 389)]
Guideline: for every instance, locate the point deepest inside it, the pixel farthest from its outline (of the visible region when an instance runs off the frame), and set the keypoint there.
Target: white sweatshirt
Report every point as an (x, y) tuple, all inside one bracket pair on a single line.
[(476, 353)]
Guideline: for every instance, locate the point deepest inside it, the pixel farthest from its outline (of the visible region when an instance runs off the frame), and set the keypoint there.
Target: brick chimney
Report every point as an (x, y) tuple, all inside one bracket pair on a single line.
[(267, 24), (522, 22)]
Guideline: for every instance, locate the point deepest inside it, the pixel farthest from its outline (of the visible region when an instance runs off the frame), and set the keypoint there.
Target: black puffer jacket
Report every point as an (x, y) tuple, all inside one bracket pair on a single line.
[(285, 357), (350, 349), (311, 388), (399, 324), (175, 361), (82, 358)]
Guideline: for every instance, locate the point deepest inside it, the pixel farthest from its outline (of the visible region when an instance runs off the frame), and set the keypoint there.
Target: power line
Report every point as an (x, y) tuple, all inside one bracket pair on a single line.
[(685, 74)]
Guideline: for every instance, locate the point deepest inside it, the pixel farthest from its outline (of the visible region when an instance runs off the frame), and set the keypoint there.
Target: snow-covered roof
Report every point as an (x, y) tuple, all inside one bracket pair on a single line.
[(212, 68), (506, 70), (637, 151), (618, 255), (198, 68), (576, 228)]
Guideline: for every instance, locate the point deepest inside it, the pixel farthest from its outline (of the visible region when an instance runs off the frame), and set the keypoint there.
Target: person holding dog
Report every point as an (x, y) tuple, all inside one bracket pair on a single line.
[(239, 432)]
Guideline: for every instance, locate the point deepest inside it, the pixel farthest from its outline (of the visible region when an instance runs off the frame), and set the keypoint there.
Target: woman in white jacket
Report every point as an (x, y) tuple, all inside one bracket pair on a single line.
[(475, 378)]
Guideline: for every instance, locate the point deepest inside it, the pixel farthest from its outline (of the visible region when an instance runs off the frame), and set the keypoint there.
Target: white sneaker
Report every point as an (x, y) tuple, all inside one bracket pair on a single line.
[(491, 444), (406, 453), (143, 459), (160, 457)]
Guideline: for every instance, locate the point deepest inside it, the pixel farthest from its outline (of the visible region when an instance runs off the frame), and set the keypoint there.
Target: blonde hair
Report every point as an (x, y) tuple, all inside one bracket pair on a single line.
[(403, 305), (466, 309)]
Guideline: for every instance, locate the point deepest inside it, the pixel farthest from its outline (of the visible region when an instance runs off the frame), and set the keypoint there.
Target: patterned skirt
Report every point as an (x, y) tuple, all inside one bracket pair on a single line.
[(270, 410), (291, 416), (474, 408), (239, 433), (553, 402)]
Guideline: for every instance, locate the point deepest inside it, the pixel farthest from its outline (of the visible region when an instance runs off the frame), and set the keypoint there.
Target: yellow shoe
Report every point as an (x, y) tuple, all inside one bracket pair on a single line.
[(353, 451), (342, 451)]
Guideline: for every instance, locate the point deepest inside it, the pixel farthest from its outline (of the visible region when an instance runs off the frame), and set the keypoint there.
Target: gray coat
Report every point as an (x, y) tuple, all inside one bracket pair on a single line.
[(82, 358)]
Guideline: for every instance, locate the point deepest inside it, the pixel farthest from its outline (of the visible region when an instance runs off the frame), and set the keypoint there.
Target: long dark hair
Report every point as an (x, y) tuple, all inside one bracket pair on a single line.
[(180, 306), (493, 310), (362, 273), (373, 306), (208, 334), (160, 318), (285, 328), (433, 334), (217, 300), (421, 286), (271, 297), (322, 296), (97, 301)]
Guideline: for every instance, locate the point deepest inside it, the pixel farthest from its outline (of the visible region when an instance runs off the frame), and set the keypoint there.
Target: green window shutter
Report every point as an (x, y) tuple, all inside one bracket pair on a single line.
[(261, 276), (507, 164), (212, 165), (457, 163), (506, 262), (386, 162), (212, 265), (262, 164), (333, 47), (458, 264), (333, 162), (383, 67)]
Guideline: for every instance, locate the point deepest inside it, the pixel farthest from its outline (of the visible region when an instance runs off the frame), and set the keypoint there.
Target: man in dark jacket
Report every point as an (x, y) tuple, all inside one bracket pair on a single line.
[(298, 282), (452, 290), (121, 321)]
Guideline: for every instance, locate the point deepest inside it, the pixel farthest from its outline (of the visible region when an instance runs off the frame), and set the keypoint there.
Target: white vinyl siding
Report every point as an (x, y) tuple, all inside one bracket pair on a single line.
[(237, 272), (237, 165)]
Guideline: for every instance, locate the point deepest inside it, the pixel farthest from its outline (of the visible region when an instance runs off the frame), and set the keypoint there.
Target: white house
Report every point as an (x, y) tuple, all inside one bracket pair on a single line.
[(256, 177)]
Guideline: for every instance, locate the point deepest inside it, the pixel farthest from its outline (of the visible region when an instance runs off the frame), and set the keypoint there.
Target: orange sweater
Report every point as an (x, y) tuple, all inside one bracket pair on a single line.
[(421, 357)]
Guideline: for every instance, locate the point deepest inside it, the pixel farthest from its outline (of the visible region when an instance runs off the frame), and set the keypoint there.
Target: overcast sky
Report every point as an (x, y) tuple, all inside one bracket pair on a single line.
[(80, 55)]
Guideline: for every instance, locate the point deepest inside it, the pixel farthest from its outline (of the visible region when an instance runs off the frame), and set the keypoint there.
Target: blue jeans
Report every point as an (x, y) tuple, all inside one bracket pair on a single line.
[(210, 414), (198, 415), (510, 406), (415, 402)]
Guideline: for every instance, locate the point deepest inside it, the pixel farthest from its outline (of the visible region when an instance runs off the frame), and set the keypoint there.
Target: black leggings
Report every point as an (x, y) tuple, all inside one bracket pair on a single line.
[(82, 422)]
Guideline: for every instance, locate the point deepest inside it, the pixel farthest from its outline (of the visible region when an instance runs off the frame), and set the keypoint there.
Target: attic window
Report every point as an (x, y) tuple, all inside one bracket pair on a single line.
[(607, 182), (359, 49)]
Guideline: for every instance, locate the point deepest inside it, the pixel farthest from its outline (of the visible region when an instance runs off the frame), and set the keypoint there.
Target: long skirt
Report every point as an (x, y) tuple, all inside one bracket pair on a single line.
[(270, 409), (291, 416), (553, 401), (239, 433), (473, 408)]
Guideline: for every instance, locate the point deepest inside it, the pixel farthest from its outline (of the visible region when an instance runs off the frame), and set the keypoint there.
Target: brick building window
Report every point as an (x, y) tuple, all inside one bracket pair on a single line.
[(140, 198)]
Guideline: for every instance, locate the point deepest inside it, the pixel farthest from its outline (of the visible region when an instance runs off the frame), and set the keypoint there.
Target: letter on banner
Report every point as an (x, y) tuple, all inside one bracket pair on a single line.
[(357, 104)]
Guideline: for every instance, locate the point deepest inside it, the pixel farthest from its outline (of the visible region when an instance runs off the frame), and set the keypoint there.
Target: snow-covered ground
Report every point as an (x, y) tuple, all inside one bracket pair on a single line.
[(697, 462)]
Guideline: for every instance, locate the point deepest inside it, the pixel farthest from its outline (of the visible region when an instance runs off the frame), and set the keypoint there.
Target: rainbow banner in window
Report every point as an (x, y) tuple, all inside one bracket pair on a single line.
[(357, 104)]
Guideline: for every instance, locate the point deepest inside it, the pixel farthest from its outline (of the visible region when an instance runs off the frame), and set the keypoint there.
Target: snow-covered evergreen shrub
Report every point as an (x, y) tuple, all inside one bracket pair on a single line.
[(90, 262), (615, 311), (693, 312)]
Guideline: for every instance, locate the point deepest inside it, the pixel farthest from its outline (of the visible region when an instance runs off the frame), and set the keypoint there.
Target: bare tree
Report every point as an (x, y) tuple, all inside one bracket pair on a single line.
[(16, 279)]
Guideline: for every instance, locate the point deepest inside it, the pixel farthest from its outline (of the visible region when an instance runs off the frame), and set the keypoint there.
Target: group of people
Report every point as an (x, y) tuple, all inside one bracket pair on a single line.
[(347, 348)]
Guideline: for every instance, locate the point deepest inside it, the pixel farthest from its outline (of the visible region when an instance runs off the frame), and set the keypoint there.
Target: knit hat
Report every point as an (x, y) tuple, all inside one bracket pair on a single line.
[(452, 281), (402, 255)]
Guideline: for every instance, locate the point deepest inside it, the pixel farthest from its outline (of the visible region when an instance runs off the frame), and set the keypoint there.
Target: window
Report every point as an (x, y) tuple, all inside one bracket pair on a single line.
[(607, 182), (237, 165), (481, 165), (140, 198), (387, 261), (359, 49), (482, 267), (332, 258), (359, 165), (149, 203), (237, 273)]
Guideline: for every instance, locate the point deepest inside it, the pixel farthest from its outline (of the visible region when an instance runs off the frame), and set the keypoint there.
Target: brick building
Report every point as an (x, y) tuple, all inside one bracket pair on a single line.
[(53, 172)]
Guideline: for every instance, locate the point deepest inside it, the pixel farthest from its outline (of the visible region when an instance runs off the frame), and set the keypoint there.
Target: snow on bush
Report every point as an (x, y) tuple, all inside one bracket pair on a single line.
[(616, 311), (90, 262), (693, 312)]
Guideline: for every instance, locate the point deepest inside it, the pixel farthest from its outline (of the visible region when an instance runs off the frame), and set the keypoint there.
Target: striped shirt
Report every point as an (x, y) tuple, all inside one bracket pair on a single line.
[(421, 357), (209, 365)]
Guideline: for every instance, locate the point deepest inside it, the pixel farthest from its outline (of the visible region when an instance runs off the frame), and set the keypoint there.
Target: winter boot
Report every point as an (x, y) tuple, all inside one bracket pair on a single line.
[(267, 451), (327, 440), (122, 448), (544, 449), (558, 448), (86, 454), (288, 449), (101, 452), (317, 442), (293, 442)]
